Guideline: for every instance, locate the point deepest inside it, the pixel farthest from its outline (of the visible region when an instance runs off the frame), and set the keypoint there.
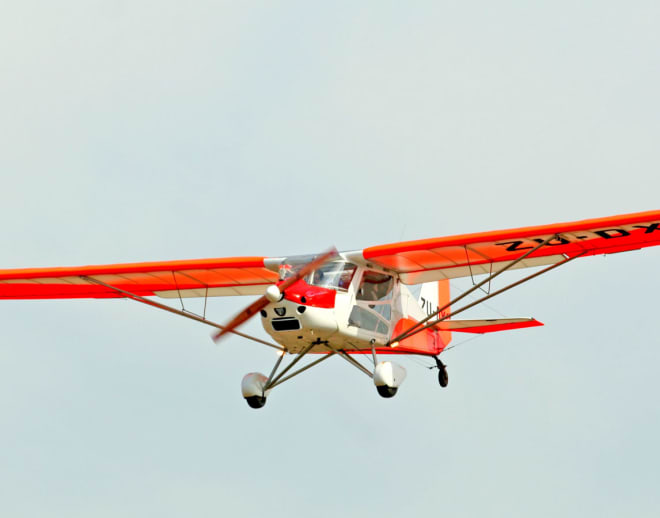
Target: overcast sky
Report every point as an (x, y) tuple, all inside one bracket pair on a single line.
[(147, 130)]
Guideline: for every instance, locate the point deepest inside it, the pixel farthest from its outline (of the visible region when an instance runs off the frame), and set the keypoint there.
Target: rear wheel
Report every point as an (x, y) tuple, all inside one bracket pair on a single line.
[(443, 377)]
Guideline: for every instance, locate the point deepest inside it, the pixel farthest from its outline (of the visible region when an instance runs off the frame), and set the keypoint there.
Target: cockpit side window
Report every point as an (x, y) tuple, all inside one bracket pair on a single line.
[(373, 309), (375, 286)]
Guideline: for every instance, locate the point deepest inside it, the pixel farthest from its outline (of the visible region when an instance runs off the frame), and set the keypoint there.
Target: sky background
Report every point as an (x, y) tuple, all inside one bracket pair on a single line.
[(145, 130)]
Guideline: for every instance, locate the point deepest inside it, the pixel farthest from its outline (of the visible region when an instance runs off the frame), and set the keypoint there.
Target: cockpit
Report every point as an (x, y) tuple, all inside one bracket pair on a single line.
[(336, 275), (364, 296)]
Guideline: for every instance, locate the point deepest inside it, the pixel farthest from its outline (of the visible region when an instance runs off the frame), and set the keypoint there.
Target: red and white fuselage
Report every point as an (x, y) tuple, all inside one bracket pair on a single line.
[(349, 307)]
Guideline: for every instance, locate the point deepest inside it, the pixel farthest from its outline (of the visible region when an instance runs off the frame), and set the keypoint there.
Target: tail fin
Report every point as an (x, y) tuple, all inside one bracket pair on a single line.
[(433, 296)]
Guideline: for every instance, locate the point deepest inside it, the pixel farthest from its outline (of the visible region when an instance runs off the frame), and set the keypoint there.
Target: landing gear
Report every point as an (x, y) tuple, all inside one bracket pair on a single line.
[(443, 377), (256, 401), (254, 389), (388, 376)]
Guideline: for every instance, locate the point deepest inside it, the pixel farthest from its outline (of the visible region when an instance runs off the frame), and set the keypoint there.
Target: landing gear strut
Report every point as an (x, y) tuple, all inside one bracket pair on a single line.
[(256, 386), (443, 377)]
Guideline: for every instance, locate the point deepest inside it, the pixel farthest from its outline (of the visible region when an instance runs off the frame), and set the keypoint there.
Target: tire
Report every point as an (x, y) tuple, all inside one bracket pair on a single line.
[(385, 391), (256, 401), (443, 377)]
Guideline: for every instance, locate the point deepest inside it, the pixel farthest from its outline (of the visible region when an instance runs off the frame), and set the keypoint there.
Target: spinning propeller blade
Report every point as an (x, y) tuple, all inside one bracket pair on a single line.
[(275, 293)]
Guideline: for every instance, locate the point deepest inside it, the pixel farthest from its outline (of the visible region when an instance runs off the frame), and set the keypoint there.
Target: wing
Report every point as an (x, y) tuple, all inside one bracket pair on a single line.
[(169, 279), (471, 254)]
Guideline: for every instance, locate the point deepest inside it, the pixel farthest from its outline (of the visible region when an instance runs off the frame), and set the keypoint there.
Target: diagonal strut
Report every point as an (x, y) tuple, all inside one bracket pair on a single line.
[(182, 313), (491, 295), (411, 330)]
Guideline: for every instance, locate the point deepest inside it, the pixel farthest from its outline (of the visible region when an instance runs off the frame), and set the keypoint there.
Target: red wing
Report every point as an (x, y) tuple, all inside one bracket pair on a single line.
[(415, 261), (196, 278), (472, 254)]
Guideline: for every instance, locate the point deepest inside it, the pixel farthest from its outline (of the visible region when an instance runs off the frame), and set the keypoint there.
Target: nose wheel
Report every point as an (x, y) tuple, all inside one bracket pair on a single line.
[(443, 377)]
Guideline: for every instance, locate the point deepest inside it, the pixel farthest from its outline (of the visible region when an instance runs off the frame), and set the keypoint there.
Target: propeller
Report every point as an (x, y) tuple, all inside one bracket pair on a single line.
[(274, 293)]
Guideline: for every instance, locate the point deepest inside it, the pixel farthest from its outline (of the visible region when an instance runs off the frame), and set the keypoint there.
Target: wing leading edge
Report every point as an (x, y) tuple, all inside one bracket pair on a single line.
[(195, 278), (487, 252)]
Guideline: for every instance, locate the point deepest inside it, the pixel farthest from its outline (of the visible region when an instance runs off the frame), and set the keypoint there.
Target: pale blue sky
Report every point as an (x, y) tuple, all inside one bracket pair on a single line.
[(150, 131)]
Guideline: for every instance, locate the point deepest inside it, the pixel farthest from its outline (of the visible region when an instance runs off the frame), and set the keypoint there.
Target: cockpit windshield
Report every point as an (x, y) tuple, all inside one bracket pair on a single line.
[(288, 270), (291, 265), (335, 275)]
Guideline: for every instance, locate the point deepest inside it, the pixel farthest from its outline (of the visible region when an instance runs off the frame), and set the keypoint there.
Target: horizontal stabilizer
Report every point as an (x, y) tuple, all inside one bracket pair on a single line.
[(488, 326)]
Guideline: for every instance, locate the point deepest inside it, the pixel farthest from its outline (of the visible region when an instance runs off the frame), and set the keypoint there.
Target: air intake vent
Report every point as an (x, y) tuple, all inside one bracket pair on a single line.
[(285, 324)]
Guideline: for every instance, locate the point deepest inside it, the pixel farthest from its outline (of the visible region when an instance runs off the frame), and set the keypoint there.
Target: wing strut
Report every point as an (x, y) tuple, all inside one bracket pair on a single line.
[(467, 258), (410, 331), (183, 313)]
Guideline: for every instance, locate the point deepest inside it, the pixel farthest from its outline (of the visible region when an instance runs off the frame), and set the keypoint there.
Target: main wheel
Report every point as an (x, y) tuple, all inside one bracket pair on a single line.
[(386, 391), (443, 377), (256, 401)]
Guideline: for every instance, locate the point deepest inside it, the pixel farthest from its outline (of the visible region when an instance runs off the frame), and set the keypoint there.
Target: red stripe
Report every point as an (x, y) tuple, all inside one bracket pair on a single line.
[(126, 268), (499, 235)]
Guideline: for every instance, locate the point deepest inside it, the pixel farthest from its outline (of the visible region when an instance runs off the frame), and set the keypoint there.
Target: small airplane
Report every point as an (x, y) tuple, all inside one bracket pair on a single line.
[(383, 300)]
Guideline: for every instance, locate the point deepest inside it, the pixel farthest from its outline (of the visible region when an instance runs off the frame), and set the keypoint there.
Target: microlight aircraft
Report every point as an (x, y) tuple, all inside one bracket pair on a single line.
[(353, 304)]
